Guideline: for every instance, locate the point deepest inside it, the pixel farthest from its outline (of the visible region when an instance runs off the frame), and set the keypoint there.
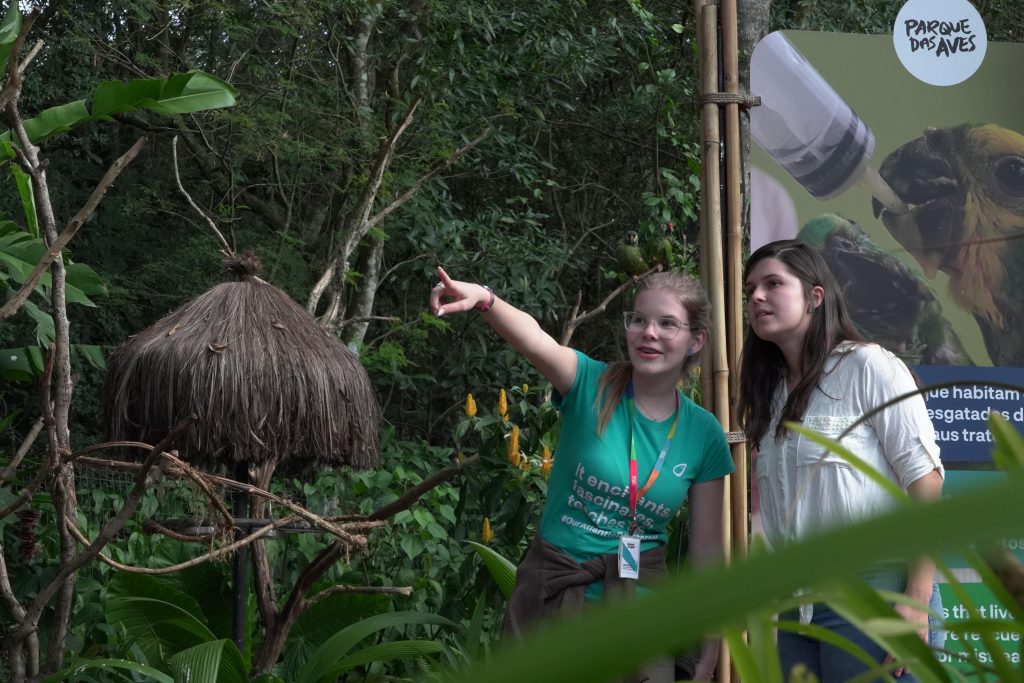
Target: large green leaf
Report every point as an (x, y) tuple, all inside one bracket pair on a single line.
[(337, 647), (502, 570), (382, 652), (44, 323), (19, 254), (159, 628), (16, 364), (180, 94), (218, 661), (28, 199), (85, 279), (205, 583), (25, 363), (1008, 452), (598, 648), (78, 667), (155, 615), (56, 120), (324, 619), (9, 29)]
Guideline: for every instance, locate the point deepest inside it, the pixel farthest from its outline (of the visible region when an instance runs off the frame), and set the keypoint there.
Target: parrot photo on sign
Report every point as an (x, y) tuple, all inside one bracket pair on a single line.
[(888, 302), (965, 189)]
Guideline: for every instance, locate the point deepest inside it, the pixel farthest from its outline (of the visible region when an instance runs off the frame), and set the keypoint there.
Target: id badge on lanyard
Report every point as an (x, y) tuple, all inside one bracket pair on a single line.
[(629, 557), (629, 545)]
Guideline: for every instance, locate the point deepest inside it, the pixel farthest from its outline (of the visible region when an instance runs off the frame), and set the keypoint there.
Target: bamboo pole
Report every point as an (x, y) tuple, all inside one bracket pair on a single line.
[(714, 276), (734, 266), (734, 285), (712, 267)]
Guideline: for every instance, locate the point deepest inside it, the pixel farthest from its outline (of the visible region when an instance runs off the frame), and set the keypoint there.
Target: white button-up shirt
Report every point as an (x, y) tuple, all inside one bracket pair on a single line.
[(802, 487)]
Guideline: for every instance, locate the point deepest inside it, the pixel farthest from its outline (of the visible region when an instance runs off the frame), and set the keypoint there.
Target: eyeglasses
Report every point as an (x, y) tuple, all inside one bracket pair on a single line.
[(666, 326)]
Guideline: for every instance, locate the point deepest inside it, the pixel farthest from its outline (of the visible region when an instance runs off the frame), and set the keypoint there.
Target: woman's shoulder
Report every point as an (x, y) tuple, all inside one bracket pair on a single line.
[(699, 414), (869, 358)]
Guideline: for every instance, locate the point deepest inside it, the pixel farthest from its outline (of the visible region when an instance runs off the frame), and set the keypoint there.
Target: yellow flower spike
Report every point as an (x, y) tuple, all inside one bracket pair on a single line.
[(526, 389), (513, 446), (470, 406), (545, 462), (486, 532), (503, 405), (524, 463)]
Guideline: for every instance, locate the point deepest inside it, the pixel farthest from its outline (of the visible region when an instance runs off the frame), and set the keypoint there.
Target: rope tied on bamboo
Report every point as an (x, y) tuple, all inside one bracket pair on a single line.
[(743, 99), (735, 437)]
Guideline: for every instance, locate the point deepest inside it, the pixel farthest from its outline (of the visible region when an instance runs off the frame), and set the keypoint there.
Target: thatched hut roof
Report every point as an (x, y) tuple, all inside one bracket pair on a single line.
[(266, 382)]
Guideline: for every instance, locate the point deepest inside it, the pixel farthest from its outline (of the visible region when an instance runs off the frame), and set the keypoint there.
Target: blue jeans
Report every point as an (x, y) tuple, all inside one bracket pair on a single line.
[(831, 664), (936, 632)]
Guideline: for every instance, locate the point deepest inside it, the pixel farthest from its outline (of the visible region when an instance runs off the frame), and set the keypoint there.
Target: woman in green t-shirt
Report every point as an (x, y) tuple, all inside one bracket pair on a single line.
[(631, 448)]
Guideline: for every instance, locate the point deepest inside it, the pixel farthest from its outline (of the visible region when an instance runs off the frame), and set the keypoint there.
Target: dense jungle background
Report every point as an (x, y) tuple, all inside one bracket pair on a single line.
[(512, 143)]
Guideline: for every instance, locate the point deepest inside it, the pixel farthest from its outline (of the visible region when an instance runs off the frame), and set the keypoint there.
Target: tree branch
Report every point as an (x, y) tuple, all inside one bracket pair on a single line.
[(343, 588), (575, 320), (412, 495), (441, 166), (212, 555), (22, 451), (110, 528), (16, 301), (227, 250)]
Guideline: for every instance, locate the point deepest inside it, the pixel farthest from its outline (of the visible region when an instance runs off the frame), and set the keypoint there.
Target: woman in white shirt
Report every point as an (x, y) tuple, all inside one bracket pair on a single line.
[(803, 361)]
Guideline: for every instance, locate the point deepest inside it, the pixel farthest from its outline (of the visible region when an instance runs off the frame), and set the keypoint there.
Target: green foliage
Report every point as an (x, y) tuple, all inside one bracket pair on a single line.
[(502, 570), (593, 117), (594, 648), (335, 656), (746, 595), (80, 670), (164, 623), (217, 661)]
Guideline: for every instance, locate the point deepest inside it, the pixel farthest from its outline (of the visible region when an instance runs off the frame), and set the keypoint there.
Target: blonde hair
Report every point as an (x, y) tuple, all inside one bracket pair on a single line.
[(612, 384)]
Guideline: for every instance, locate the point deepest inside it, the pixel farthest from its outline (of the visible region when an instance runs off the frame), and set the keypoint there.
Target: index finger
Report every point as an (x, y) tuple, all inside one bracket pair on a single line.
[(445, 280)]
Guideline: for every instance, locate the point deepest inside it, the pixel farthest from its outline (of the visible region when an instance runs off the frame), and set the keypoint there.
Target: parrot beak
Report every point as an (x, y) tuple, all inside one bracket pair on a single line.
[(907, 231), (921, 175)]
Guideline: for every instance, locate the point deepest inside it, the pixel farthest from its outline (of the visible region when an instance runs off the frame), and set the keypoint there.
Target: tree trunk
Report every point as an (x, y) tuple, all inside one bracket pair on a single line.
[(363, 305), (752, 22)]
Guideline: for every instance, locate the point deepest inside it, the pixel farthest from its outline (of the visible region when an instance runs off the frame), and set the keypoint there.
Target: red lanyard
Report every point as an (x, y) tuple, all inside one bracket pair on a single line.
[(634, 494)]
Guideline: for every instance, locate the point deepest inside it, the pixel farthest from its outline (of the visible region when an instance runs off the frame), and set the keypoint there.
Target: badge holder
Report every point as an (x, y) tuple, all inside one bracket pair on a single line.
[(629, 557)]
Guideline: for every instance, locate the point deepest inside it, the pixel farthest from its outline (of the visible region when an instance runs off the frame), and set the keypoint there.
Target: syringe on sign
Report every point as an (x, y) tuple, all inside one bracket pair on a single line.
[(808, 129)]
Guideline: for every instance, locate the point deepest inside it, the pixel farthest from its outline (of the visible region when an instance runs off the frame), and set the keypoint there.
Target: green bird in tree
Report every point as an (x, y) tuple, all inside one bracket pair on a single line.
[(658, 250), (629, 257)]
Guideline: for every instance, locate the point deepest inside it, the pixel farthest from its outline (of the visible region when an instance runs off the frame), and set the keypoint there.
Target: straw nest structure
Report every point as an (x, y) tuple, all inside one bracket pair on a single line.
[(269, 386)]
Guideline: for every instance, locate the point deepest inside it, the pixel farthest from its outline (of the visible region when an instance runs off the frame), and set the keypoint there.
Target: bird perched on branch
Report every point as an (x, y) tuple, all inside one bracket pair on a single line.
[(629, 257), (658, 250)]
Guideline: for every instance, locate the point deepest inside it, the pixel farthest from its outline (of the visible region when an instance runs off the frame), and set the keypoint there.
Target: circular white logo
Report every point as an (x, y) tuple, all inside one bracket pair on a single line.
[(941, 42)]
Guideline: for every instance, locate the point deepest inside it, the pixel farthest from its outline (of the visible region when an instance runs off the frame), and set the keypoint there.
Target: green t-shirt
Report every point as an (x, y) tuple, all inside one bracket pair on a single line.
[(587, 507)]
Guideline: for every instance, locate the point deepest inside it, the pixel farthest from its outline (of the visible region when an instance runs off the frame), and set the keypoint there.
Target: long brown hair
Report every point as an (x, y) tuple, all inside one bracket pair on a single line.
[(762, 364), (616, 376)]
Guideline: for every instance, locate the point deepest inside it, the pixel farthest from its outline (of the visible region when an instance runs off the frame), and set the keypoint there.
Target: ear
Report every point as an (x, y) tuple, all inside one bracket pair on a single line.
[(817, 295), (700, 338)]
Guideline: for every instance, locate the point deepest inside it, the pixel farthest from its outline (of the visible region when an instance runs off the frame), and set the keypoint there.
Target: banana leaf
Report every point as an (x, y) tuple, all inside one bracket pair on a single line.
[(217, 661)]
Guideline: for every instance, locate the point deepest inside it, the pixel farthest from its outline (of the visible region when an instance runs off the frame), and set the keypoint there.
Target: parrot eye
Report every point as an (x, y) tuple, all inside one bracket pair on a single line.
[(1009, 173)]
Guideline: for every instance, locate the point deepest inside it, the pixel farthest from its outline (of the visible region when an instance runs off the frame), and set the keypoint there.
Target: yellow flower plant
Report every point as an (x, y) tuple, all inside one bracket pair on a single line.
[(502, 405), (513, 446)]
